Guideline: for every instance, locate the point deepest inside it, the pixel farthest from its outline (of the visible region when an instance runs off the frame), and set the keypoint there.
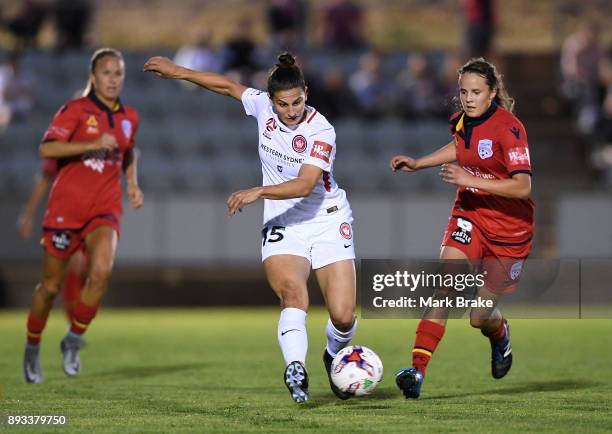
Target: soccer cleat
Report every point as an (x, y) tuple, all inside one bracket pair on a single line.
[(409, 380), (327, 360), (501, 355), (71, 362), (296, 380), (32, 371)]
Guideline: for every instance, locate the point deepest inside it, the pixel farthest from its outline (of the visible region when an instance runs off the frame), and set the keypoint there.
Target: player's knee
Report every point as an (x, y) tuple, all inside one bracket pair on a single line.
[(476, 322), (293, 294), (100, 273), (343, 321), (49, 288)]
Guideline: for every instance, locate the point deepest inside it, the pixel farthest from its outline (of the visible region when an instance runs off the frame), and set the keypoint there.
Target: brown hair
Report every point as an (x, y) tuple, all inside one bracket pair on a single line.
[(493, 78), (285, 75), (97, 55)]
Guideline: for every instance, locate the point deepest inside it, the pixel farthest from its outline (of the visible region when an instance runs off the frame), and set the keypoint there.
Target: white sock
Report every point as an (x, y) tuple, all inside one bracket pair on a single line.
[(292, 336), (336, 340)]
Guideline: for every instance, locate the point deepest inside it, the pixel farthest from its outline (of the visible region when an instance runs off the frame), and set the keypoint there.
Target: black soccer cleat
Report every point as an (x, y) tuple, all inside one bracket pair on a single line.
[(409, 380), (327, 361), (501, 355), (296, 380)]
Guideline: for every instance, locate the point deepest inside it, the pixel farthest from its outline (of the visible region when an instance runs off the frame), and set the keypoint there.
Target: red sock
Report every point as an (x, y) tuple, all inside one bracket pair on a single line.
[(35, 327), (498, 334), (71, 292), (83, 315), (428, 334)]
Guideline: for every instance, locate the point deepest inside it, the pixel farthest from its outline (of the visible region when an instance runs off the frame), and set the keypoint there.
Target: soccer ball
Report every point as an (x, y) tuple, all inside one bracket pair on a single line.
[(356, 370)]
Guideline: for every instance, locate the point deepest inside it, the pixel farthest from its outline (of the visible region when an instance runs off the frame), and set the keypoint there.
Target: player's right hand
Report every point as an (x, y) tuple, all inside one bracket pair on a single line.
[(403, 163), (106, 142), (162, 66)]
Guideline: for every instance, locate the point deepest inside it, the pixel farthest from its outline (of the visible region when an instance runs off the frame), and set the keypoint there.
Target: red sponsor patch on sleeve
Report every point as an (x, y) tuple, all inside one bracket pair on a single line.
[(518, 156), (321, 150)]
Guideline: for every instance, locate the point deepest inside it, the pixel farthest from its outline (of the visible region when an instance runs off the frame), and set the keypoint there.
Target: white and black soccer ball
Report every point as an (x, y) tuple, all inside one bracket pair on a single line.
[(357, 370)]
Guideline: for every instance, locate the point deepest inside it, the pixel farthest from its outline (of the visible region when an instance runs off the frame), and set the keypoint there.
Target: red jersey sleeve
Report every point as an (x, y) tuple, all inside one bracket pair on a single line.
[(136, 123), (514, 145), (49, 167), (64, 123)]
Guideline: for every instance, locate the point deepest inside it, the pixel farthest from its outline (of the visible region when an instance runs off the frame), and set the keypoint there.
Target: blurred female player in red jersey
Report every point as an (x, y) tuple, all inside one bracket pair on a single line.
[(76, 270), (492, 218), (92, 138)]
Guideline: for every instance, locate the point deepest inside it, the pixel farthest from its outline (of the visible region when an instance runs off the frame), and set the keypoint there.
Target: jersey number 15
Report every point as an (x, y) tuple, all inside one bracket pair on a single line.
[(274, 237)]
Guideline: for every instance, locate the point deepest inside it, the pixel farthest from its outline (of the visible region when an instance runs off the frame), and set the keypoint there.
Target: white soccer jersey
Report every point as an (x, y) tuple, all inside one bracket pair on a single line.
[(283, 150)]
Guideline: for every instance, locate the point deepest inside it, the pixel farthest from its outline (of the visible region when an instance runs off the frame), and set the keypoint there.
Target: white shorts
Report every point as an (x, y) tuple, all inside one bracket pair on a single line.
[(322, 241)]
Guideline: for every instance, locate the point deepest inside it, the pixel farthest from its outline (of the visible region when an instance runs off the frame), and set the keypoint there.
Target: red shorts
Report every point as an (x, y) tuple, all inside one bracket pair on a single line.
[(62, 243), (501, 263)]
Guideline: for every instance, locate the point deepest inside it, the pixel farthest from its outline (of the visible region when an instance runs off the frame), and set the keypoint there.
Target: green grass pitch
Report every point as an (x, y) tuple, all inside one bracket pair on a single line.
[(220, 370)]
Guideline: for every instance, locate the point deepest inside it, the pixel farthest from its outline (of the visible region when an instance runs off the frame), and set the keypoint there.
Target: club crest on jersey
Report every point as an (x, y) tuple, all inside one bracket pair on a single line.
[(92, 125), (485, 148), (299, 143), (345, 231), (126, 127), (321, 150), (60, 240), (515, 270)]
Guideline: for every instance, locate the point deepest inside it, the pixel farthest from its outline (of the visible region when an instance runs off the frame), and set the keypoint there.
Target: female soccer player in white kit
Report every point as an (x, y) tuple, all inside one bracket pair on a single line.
[(307, 218)]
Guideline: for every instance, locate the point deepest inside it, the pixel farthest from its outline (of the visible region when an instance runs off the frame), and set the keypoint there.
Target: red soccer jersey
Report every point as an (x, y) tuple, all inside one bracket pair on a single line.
[(493, 146), (88, 185)]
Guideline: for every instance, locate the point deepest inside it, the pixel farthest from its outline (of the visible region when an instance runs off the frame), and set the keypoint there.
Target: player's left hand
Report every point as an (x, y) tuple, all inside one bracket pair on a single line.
[(241, 198), (135, 195), (454, 174)]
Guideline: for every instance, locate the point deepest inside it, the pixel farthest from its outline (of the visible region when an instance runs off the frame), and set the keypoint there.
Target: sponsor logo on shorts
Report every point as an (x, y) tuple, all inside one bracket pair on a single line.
[(60, 240), (485, 148), (321, 150), (299, 143), (345, 231), (515, 270), (463, 233)]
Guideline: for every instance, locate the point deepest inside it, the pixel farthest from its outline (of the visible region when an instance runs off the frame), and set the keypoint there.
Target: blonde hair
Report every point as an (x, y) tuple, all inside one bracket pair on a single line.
[(97, 55)]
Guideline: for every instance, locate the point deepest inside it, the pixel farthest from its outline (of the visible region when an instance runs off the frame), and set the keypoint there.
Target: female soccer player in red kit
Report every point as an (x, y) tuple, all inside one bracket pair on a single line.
[(93, 140), (492, 218)]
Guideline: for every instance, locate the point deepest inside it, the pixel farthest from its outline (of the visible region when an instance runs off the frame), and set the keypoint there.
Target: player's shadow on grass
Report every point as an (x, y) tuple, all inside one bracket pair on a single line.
[(531, 387), (130, 372), (365, 403)]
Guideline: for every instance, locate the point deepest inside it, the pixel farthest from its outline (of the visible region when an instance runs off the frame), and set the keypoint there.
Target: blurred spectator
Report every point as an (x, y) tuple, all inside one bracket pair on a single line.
[(343, 25), (580, 57), (198, 55), (480, 23), (240, 53), (449, 86), (286, 20), (330, 93), (417, 95), (16, 91), (27, 23), (72, 18), (370, 89)]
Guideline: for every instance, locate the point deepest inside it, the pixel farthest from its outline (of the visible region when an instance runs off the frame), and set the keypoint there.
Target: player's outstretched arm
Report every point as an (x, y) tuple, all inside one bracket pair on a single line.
[(26, 216), (58, 149), (446, 154), (165, 68), (301, 186)]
